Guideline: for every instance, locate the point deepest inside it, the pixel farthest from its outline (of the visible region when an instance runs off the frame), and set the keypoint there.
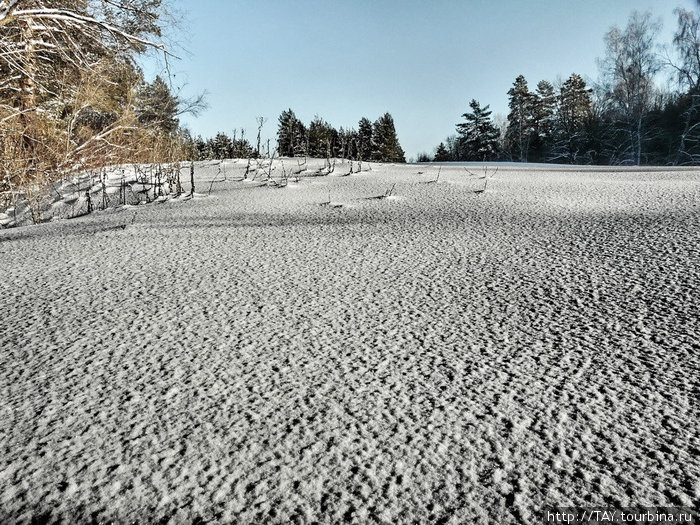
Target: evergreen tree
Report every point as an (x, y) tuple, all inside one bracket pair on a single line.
[(200, 148), (290, 135), (520, 120), (188, 145), (478, 136), (241, 147), (544, 109), (452, 146), (354, 142), (244, 149), (385, 143), (673, 144), (441, 153), (347, 143), (222, 147), (157, 106), (575, 106), (572, 120), (209, 150), (364, 139), (321, 138)]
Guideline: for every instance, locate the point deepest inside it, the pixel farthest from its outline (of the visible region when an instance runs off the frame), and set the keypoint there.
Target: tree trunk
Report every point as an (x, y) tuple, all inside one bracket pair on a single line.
[(27, 94), (686, 127), (638, 152)]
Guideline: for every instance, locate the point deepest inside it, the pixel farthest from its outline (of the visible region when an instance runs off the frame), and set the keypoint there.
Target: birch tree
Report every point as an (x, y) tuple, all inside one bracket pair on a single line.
[(686, 41), (629, 67)]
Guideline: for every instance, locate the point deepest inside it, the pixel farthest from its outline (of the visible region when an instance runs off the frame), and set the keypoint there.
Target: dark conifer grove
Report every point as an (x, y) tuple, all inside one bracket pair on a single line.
[(626, 117)]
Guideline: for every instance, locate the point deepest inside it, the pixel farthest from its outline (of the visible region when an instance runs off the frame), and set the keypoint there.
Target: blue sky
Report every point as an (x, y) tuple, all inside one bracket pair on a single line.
[(422, 61)]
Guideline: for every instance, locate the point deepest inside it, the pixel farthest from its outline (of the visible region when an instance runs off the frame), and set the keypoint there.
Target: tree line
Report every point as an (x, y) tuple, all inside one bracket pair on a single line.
[(623, 118), (370, 141), (376, 141)]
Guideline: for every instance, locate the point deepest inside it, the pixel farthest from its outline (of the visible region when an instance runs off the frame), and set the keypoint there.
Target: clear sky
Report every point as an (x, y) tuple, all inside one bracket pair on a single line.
[(422, 61)]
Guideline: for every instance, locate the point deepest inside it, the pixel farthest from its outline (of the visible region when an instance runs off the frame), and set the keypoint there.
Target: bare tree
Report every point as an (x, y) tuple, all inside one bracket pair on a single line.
[(628, 68), (261, 123), (686, 41)]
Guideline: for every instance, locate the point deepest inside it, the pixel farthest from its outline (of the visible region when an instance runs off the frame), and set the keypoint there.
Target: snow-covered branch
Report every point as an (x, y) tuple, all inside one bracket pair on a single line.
[(6, 7), (81, 21)]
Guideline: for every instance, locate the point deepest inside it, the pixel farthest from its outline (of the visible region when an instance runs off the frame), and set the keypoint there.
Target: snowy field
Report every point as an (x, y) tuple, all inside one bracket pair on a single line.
[(316, 353)]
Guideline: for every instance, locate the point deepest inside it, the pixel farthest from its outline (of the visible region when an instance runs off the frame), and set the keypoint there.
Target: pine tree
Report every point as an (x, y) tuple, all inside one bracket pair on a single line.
[(385, 143), (157, 106), (222, 147), (544, 109), (200, 148), (290, 135), (574, 114), (354, 144), (478, 136), (347, 143), (364, 138), (575, 106), (452, 146), (242, 149), (188, 144), (520, 119), (441, 153), (322, 138), (209, 153)]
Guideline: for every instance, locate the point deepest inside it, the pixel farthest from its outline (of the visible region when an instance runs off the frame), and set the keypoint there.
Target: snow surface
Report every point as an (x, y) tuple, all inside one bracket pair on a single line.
[(317, 353)]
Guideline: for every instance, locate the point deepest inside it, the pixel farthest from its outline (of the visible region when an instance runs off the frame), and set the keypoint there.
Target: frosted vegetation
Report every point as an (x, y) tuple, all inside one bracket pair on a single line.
[(394, 345), (73, 99)]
